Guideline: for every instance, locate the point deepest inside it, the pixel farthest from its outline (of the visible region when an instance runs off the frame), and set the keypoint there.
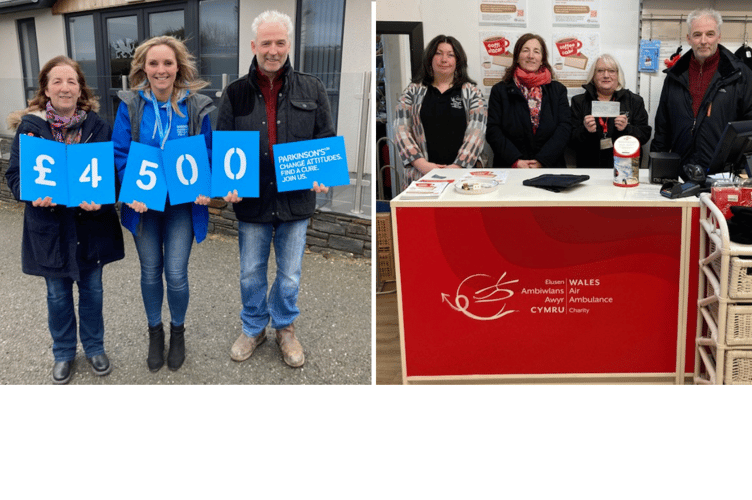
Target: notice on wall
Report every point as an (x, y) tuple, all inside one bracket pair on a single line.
[(576, 13), (496, 49), (502, 12), (572, 54)]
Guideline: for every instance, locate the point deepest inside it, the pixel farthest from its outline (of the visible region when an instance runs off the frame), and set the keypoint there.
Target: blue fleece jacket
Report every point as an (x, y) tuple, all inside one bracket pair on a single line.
[(121, 137)]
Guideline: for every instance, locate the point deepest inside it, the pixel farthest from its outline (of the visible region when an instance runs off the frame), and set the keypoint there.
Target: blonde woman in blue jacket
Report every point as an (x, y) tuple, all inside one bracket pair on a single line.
[(163, 104)]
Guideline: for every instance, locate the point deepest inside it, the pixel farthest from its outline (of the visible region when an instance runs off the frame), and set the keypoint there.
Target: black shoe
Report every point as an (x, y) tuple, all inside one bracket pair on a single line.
[(176, 353), (156, 348), (101, 364), (62, 372)]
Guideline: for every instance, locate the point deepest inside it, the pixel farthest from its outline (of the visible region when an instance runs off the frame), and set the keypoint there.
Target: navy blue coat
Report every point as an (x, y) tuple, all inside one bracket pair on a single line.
[(510, 131), (60, 242), (728, 98), (303, 113)]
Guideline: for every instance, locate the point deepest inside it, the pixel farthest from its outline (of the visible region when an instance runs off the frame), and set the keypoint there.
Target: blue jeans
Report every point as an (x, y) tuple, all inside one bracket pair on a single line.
[(164, 241), (255, 240), (61, 315)]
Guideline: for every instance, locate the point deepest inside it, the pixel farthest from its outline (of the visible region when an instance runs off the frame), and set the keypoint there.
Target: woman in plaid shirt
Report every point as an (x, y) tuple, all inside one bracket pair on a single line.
[(441, 116)]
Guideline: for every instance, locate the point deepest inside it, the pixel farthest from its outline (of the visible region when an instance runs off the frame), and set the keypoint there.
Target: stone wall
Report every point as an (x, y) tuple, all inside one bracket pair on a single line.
[(327, 232)]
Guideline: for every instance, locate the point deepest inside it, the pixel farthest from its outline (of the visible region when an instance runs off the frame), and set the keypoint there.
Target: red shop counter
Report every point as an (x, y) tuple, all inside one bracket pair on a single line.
[(595, 284)]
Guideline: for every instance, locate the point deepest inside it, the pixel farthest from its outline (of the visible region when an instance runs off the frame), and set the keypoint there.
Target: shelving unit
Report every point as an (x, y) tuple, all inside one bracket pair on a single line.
[(724, 326)]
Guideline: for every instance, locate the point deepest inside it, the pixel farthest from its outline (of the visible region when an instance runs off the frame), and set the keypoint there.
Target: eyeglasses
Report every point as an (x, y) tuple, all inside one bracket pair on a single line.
[(602, 71)]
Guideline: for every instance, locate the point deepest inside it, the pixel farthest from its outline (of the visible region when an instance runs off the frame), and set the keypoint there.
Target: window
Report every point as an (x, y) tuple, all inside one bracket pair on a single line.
[(82, 47), (320, 27), (218, 28), (27, 40)]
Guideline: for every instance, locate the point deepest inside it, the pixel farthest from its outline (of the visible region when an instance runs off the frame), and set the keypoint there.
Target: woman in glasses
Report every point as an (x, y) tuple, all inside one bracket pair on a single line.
[(593, 136)]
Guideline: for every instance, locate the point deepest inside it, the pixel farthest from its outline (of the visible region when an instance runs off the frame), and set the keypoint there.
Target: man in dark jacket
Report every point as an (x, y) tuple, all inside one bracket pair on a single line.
[(707, 88), (284, 106)]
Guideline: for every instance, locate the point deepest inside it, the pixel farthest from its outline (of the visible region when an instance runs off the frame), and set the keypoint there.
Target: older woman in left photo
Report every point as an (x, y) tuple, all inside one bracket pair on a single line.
[(67, 244)]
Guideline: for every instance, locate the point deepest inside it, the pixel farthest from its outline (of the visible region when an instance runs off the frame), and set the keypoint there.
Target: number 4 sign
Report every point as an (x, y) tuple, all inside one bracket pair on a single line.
[(91, 173)]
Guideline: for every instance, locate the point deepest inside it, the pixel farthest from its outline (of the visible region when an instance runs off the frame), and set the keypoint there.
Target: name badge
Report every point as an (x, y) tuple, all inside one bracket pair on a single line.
[(607, 143)]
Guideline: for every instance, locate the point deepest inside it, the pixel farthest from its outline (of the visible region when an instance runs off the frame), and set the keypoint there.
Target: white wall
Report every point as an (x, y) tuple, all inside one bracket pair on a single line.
[(356, 61), (50, 29)]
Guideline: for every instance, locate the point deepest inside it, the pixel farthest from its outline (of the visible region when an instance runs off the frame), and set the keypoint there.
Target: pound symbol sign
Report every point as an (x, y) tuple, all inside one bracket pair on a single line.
[(39, 167)]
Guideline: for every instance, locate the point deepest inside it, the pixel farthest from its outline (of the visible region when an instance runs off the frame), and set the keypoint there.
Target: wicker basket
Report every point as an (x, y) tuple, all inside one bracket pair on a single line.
[(739, 325), (740, 280), (715, 263), (738, 367), (385, 247)]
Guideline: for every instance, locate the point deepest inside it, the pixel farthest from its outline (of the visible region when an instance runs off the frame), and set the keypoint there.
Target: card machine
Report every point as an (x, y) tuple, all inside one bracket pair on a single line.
[(676, 189)]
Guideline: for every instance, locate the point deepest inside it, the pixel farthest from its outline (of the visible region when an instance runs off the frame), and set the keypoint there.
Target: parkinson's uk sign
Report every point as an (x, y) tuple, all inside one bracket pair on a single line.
[(298, 164)]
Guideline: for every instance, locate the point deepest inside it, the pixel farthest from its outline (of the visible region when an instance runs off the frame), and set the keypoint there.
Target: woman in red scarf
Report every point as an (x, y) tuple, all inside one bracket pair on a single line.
[(528, 112)]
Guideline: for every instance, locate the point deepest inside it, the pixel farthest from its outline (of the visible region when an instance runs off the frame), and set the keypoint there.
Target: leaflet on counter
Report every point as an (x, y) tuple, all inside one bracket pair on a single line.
[(425, 189)]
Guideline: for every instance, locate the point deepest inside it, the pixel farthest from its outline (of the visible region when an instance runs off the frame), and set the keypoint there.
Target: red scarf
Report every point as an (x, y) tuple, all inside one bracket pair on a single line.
[(530, 85), (65, 129), (530, 80)]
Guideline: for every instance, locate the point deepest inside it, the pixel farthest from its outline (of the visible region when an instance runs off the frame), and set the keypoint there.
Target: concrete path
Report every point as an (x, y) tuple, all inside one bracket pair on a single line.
[(334, 326)]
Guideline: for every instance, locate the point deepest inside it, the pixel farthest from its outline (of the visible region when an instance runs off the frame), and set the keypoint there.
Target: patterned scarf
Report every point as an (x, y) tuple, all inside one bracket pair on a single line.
[(65, 129), (530, 85)]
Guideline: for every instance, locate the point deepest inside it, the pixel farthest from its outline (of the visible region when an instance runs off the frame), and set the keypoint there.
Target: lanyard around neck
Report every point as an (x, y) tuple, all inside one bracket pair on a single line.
[(604, 125), (164, 131)]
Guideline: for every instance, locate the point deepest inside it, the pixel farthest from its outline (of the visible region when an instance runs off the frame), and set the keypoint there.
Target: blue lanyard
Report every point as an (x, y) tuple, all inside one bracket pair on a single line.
[(163, 133)]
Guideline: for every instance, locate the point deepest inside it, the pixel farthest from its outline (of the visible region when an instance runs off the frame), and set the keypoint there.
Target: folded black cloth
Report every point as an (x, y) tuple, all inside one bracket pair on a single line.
[(740, 225), (555, 182)]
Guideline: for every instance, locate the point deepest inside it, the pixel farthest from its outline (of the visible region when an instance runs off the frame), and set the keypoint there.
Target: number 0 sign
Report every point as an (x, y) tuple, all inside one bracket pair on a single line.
[(235, 163), (186, 167)]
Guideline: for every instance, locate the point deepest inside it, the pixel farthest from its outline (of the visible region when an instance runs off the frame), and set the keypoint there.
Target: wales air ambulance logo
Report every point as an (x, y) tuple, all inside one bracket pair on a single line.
[(480, 295)]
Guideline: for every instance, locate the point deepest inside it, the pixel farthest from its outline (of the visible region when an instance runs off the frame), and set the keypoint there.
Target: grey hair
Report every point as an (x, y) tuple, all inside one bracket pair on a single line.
[(698, 13), (272, 16), (611, 61)]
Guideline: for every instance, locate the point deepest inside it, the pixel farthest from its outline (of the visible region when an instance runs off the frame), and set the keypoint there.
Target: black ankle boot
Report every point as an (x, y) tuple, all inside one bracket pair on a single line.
[(156, 348), (176, 354)]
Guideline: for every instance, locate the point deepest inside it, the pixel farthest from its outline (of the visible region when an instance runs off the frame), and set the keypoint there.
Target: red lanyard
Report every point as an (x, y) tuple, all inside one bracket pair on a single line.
[(604, 125)]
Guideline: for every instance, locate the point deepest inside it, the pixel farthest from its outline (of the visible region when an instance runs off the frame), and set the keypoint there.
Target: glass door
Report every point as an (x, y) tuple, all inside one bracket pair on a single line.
[(123, 32)]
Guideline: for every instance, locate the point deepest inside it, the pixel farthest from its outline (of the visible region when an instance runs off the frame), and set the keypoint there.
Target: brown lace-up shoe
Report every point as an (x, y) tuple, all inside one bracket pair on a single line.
[(292, 351), (245, 345)]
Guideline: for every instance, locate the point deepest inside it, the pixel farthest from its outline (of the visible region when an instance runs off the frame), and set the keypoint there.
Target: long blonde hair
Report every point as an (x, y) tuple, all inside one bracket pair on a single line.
[(87, 101), (186, 78)]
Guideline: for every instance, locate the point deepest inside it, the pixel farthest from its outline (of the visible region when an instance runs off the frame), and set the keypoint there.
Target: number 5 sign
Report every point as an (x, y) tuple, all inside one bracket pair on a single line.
[(144, 178), (235, 163)]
